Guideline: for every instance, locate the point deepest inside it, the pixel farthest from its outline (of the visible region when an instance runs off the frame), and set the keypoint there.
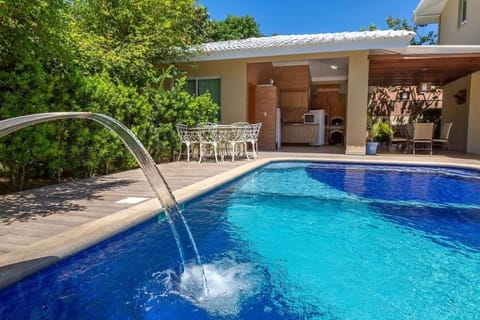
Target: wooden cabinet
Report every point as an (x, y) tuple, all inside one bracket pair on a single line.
[(311, 133), (294, 99), (299, 133)]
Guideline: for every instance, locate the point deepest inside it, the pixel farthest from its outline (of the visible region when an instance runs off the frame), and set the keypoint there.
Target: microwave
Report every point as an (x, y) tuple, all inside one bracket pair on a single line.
[(310, 118)]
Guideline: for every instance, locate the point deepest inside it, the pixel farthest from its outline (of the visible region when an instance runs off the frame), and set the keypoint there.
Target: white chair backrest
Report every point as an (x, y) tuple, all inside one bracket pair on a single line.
[(445, 131), (423, 131), (241, 124), (208, 134), (182, 131)]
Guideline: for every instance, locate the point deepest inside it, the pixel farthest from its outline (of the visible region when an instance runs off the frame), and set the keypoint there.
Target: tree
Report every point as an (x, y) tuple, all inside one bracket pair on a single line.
[(130, 39), (421, 37), (234, 28), (98, 56), (34, 64)]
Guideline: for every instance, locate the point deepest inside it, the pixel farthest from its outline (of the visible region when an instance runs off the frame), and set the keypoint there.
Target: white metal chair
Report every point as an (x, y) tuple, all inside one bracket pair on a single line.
[(252, 137), (187, 138), (422, 137), (241, 136), (208, 139), (444, 134)]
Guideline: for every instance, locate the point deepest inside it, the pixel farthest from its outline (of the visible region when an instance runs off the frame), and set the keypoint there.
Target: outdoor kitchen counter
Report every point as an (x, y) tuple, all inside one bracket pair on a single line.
[(298, 132)]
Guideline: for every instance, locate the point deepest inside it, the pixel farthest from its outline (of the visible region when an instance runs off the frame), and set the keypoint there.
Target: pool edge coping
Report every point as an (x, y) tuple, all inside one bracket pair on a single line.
[(21, 263)]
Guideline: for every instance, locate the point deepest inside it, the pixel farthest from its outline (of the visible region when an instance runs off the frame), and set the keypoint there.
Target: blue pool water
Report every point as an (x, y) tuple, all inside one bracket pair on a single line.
[(288, 241)]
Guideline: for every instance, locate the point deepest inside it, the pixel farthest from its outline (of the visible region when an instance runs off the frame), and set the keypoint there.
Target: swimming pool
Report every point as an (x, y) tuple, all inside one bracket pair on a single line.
[(292, 240)]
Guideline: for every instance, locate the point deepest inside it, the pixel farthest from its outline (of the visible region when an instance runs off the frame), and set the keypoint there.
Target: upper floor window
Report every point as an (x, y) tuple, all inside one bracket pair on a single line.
[(462, 13)]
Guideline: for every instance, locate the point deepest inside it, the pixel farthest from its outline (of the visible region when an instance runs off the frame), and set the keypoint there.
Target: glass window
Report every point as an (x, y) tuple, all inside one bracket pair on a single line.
[(197, 87), (192, 87), (462, 13)]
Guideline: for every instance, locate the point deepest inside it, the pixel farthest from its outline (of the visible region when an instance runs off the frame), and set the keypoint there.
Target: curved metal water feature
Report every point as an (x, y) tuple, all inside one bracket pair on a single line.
[(175, 218)]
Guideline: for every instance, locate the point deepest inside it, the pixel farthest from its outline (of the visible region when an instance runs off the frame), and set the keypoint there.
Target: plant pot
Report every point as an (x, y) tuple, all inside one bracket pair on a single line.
[(372, 148)]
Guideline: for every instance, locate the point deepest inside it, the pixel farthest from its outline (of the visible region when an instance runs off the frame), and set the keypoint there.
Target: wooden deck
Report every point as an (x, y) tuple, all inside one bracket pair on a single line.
[(32, 215)]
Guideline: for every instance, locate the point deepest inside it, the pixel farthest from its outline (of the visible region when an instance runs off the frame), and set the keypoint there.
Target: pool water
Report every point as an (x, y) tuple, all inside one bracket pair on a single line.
[(292, 240)]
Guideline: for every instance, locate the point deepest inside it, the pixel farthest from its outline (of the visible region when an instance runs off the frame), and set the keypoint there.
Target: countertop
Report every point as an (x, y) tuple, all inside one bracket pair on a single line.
[(297, 123)]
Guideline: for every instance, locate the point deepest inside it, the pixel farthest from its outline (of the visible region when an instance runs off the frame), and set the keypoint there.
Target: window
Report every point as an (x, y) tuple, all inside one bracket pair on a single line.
[(462, 13), (199, 86)]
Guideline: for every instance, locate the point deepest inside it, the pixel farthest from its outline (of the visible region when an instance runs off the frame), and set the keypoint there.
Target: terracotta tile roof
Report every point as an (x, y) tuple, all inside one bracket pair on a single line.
[(305, 43)]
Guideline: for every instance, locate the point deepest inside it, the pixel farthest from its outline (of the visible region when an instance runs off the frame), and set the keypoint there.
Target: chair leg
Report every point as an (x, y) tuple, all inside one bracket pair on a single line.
[(180, 152), (200, 153), (246, 150), (256, 149), (233, 151), (188, 151), (215, 152)]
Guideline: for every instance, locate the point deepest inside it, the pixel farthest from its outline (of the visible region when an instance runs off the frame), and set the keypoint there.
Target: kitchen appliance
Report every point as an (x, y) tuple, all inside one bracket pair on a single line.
[(316, 117), (310, 117)]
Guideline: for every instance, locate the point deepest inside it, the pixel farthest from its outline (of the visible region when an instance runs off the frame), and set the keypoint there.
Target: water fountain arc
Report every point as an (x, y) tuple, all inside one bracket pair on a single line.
[(183, 237)]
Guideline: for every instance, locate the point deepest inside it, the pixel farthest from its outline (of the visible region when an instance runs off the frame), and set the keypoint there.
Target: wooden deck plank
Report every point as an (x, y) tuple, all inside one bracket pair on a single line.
[(31, 215)]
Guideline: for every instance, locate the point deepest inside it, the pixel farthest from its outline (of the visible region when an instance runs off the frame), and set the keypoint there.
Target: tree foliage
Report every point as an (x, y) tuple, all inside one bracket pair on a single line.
[(234, 28), (98, 56), (422, 35), (384, 100)]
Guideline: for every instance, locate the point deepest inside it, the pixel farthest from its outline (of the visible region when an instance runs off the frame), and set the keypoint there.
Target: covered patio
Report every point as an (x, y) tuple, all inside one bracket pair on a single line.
[(451, 69), (335, 73)]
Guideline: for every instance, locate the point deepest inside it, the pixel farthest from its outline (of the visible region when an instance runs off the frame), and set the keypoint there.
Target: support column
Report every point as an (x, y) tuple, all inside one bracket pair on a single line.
[(357, 102), (473, 131)]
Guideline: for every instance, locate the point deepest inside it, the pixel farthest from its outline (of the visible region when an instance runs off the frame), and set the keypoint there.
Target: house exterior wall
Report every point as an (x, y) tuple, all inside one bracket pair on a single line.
[(473, 140), (456, 113), (233, 83), (234, 89), (451, 33)]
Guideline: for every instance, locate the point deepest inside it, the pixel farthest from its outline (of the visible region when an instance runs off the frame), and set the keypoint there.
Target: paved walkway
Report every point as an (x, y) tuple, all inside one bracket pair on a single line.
[(41, 226)]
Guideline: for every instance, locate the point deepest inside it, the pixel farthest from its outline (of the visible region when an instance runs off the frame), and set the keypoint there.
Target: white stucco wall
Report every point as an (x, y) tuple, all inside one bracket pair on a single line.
[(233, 82), (456, 113), (450, 32), (473, 133)]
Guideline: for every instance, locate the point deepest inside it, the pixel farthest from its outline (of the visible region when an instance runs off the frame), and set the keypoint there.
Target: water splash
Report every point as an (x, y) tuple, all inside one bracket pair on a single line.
[(229, 283), (186, 245)]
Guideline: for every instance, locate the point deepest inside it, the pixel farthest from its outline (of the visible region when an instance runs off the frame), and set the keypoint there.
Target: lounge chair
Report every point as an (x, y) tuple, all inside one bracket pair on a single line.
[(422, 137), (444, 134), (400, 137)]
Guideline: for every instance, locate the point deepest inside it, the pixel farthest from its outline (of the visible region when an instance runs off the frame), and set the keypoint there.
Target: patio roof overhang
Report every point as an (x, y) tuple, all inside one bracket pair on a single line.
[(428, 11), (414, 64)]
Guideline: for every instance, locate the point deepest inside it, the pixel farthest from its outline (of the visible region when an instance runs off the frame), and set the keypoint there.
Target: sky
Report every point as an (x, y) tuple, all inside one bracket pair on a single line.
[(312, 16)]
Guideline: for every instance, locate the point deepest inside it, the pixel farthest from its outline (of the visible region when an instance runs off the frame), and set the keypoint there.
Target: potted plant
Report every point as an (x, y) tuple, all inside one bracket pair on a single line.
[(380, 131)]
